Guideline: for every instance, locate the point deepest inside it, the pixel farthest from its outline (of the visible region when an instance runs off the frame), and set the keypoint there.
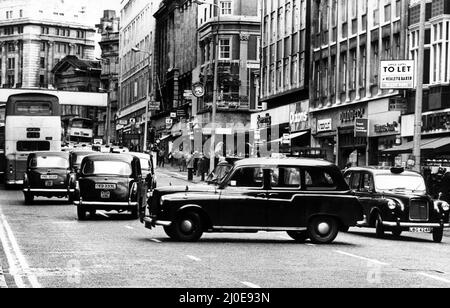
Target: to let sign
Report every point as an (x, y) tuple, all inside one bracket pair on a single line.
[(361, 128), (397, 75)]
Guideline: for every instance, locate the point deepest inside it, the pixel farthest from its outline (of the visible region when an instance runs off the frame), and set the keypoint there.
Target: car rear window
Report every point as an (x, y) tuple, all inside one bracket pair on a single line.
[(285, 177), (107, 168), (50, 162)]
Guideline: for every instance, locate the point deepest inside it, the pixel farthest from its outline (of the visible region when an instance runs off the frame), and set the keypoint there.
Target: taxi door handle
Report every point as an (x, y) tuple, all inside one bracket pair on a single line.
[(273, 195), (261, 195)]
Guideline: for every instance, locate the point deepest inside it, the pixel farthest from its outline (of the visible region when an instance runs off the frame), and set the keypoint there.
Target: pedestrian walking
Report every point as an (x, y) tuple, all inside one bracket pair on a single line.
[(190, 166)]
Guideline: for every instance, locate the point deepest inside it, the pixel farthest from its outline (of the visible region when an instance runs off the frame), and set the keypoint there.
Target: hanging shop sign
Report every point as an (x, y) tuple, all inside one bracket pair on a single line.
[(361, 128), (397, 75), (324, 125), (264, 121), (198, 90), (299, 116), (387, 128)]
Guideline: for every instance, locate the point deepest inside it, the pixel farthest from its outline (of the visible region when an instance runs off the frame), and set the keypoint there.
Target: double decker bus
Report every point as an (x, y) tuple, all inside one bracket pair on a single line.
[(2, 141), (79, 130), (32, 124)]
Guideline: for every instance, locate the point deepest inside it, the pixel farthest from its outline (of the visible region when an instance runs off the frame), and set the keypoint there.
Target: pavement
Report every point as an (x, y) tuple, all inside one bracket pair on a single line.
[(44, 245)]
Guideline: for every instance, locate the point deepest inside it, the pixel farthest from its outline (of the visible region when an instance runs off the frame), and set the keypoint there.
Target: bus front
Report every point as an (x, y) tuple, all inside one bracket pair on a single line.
[(32, 124), (80, 130)]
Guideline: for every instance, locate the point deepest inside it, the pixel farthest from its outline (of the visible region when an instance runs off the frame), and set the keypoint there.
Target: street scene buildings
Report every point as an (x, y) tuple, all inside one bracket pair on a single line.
[(319, 122)]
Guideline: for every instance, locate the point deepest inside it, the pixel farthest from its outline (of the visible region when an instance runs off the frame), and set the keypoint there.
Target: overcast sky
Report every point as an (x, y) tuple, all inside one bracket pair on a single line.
[(95, 8)]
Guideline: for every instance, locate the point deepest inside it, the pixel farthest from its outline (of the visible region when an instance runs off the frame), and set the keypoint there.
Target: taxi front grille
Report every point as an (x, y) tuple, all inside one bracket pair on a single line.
[(419, 210)]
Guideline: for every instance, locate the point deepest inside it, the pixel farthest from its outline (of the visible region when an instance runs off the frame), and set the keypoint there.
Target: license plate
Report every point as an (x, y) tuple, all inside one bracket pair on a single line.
[(105, 186), (420, 230), (105, 195), (48, 183), (49, 177)]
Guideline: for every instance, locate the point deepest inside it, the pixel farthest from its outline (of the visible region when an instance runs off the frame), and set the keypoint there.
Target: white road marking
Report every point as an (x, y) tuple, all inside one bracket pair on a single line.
[(25, 268), (129, 227), (361, 258), (312, 245), (194, 258), (12, 260), (155, 240), (251, 285), (3, 284), (435, 277), (103, 214)]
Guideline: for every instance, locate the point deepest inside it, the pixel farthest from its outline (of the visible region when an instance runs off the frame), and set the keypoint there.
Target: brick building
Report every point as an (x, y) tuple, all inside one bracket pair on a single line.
[(35, 35)]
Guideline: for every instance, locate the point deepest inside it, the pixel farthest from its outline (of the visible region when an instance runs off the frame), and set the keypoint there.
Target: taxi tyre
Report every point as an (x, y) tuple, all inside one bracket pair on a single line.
[(188, 227), (318, 236), (298, 236), (397, 232), (438, 234), (81, 213), (379, 228), (29, 198)]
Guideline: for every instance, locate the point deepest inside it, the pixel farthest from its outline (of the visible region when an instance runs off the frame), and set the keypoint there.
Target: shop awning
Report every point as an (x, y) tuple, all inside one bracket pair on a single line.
[(425, 144), (292, 136)]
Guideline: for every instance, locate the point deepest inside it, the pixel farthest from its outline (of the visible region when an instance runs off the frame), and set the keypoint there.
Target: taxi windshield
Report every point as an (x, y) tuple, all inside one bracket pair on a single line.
[(50, 162), (220, 173), (399, 183), (117, 168)]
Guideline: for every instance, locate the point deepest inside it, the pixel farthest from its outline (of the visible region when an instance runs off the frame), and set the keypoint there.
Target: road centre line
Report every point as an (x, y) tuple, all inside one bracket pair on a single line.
[(3, 284), (361, 258), (129, 227), (12, 260), (194, 258), (155, 240), (23, 262), (435, 277), (250, 285)]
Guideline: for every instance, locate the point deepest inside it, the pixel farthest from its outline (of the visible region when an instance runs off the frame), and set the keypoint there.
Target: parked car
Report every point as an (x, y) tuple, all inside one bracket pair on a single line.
[(47, 175), (110, 182), (307, 198), (148, 170), (396, 200), (76, 157)]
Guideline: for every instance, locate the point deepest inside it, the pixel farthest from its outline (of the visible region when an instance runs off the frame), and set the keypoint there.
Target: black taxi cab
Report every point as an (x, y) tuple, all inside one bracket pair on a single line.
[(109, 182), (148, 170), (47, 175), (306, 198), (396, 200)]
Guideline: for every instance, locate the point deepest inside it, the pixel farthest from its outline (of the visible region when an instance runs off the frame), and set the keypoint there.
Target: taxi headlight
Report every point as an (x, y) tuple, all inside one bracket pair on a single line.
[(392, 204), (445, 206), (77, 185)]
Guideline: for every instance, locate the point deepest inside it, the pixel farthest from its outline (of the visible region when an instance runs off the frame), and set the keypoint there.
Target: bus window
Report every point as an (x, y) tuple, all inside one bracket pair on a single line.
[(33, 146), (33, 108)]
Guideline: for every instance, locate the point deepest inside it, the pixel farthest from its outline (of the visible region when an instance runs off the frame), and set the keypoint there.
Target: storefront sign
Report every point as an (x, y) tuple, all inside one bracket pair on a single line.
[(299, 116), (397, 75), (169, 123), (324, 125), (387, 128), (123, 122), (173, 115), (349, 116), (361, 128), (264, 121)]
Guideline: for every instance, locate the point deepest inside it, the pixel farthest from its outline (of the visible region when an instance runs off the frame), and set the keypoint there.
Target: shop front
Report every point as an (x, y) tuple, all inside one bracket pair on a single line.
[(384, 131), (334, 132)]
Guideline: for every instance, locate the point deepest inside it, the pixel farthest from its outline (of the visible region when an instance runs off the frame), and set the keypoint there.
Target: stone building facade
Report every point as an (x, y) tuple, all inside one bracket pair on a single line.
[(35, 35)]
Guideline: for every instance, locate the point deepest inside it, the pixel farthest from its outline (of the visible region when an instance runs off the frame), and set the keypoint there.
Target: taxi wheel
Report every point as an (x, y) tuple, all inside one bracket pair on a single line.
[(298, 236), (29, 199), (323, 229), (379, 228), (438, 234), (81, 213), (188, 227), (397, 232), (169, 231)]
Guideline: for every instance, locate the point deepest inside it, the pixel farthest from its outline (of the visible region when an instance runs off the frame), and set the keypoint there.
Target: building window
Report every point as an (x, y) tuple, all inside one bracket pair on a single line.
[(42, 62), (225, 49), (43, 46), (226, 7), (11, 63), (387, 13), (11, 80)]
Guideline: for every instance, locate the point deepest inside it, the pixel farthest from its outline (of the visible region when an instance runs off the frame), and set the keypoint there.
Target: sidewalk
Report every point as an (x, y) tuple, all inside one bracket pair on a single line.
[(175, 172)]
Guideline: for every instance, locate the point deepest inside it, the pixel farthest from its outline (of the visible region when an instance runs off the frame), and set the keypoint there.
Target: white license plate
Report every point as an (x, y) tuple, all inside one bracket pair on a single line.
[(105, 186), (48, 183), (49, 177), (105, 195), (420, 230)]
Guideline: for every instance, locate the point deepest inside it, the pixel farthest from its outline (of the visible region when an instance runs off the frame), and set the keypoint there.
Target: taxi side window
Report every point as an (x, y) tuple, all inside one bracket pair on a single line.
[(318, 179), (285, 177), (248, 177), (355, 181), (368, 185)]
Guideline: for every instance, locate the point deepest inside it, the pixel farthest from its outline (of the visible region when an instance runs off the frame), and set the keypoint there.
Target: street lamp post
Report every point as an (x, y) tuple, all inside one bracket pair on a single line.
[(215, 87), (147, 100)]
